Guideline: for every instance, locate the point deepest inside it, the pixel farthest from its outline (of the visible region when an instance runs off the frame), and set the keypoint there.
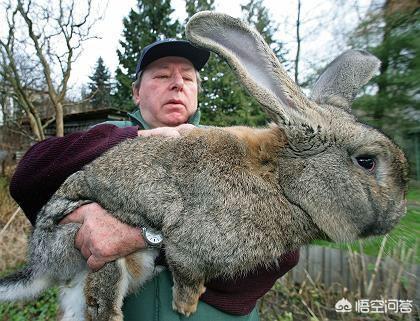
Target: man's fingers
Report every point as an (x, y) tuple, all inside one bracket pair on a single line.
[(187, 127), (86, 252), (77, 216), (167, 132), (95, 264), (79, 240), (162, 131)]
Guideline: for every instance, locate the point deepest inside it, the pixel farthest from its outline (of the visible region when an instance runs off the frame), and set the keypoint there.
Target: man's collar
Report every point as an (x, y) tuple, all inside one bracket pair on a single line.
[(137, 118)]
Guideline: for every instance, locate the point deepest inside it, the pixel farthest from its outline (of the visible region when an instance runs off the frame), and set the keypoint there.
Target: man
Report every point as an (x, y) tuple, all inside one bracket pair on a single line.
[(165, 91)]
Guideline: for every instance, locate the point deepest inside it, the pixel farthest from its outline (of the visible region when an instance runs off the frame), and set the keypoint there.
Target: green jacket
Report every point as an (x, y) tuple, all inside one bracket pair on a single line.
[(154, 301), (136, 119)]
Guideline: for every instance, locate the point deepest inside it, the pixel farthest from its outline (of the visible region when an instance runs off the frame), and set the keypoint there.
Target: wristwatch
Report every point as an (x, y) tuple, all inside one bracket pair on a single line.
[(152, 238)]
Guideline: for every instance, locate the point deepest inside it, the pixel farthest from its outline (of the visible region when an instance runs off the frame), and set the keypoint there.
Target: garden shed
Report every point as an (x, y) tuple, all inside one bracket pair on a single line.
[(83, 120)]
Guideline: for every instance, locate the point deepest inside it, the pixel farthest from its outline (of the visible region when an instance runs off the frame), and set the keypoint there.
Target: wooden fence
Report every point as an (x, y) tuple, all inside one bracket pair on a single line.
[(354, 271)]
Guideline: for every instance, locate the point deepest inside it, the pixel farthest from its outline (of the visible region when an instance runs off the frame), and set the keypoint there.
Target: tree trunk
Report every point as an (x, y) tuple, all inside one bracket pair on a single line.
[(36, 126), (59, 121)]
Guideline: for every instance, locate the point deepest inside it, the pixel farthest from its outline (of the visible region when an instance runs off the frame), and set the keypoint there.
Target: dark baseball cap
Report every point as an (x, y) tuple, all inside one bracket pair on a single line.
[(172, 47)]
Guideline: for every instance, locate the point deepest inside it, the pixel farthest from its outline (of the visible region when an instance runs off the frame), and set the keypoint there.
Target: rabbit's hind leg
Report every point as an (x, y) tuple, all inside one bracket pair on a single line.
[(105, 291), (186, 293)]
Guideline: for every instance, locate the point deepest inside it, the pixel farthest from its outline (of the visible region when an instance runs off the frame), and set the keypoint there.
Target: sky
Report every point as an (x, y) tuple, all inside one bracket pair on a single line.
[(109, 30)]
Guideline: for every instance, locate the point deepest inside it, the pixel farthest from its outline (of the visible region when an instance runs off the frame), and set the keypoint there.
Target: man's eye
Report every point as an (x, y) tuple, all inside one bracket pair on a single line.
[(162, 76)]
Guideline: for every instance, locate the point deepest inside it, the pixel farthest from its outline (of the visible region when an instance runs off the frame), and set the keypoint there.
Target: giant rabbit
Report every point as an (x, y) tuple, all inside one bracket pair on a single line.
[(226, 199)]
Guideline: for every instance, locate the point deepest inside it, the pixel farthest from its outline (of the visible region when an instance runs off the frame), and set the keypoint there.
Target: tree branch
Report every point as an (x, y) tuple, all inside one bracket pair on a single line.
[(47, 70)]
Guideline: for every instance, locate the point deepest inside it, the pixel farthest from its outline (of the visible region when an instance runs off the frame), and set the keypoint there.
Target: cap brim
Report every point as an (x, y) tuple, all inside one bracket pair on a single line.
[(197, 56)]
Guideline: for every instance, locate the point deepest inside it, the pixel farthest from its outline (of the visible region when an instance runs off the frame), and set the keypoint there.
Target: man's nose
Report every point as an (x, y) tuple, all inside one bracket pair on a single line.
[(177, 81)]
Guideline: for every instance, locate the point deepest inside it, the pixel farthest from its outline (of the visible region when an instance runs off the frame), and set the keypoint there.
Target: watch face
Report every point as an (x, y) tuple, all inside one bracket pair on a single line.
[(153, 238)]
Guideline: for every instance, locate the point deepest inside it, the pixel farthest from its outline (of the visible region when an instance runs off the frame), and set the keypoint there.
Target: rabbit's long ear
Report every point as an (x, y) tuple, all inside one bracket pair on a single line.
[(252, 60), (343, 78)]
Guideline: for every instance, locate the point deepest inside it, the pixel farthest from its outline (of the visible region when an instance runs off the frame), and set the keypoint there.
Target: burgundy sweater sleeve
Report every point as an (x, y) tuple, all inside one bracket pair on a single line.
[(239, 296), (47, 164)]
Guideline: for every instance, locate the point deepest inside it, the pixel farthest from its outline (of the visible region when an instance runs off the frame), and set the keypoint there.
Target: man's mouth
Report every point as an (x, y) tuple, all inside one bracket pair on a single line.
[(175, 102)]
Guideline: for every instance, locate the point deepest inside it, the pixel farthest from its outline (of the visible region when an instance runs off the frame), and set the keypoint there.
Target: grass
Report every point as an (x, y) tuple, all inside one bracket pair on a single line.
[(13, 243), (43, 309), (14, 238), (311, 301), (413, 194)]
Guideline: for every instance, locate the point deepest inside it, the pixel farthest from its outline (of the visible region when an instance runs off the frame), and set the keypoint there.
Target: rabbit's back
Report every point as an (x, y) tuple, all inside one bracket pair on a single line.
[(158, 177), (205, 190)]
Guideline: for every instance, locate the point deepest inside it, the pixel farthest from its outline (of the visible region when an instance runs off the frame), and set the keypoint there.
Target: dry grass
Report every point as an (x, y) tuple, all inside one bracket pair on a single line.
[(14, 231), (314, 301), (288, 301)]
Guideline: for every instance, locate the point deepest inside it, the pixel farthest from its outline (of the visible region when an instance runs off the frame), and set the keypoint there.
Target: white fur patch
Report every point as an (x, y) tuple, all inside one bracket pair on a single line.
[(24, 291), (72, 299)]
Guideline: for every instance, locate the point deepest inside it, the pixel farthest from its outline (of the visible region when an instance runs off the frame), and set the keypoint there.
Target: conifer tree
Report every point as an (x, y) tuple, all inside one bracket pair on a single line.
[(149, 22), (193, 6), (391, 32), (100, 86)]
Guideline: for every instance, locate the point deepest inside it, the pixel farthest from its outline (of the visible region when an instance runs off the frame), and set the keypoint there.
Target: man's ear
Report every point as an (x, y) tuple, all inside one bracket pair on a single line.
[(135, 92)]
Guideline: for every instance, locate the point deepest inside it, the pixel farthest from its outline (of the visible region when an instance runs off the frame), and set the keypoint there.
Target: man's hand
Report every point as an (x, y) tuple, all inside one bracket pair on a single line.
[(101, 237), (166, 131)]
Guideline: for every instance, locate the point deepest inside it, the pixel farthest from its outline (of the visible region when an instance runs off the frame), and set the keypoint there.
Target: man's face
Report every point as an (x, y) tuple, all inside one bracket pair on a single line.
[(168, 92)]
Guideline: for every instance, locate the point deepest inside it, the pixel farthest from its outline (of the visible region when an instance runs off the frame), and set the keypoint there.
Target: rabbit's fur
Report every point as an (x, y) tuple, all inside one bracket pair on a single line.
[(227, 200)]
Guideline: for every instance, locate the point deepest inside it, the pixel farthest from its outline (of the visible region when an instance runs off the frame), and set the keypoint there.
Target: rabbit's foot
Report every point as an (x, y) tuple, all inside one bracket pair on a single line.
[(185, 297), (117, 317), (92, 308), (97, 312)]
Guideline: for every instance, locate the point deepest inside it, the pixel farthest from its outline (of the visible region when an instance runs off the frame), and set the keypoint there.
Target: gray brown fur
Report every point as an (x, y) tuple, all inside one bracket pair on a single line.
[(228, 200)]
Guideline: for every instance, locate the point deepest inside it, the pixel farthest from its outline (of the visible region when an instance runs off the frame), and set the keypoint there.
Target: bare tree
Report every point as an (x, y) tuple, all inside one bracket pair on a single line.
[(37, 54), (14, 85), (322, 29)]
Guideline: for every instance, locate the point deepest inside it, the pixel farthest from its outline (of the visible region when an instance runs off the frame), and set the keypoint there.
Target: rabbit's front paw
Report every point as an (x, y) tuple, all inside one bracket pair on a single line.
[(186, 301)]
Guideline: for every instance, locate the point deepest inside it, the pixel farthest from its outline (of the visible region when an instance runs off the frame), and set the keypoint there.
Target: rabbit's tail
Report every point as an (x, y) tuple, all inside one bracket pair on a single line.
[(23, 285)]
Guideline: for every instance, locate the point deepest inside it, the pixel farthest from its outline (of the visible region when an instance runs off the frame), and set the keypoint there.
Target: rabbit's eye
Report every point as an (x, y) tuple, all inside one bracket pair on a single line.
[(367, 162)]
